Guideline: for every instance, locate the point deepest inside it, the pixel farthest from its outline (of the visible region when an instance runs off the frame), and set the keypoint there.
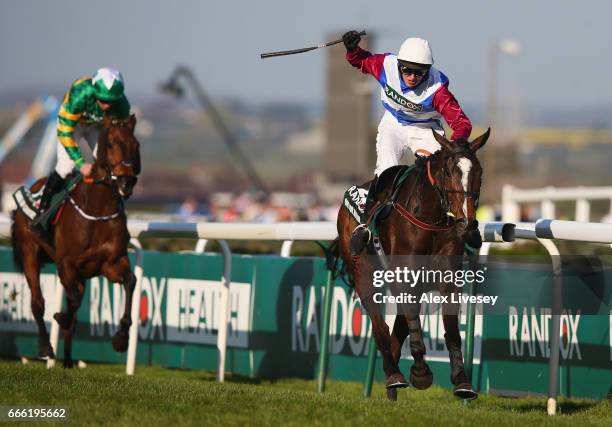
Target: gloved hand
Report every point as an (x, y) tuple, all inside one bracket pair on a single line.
[(351, 40)]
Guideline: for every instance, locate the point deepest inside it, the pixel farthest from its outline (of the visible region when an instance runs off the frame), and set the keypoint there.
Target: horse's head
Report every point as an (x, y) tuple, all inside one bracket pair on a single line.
[(459, 179), (118, 154)]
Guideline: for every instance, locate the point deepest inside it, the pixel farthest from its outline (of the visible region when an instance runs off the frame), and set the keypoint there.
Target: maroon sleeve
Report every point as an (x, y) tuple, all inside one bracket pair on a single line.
[(445, 103), (366, 62)]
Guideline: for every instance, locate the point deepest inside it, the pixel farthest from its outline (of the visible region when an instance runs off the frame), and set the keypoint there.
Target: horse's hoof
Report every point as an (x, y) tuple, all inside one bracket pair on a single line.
[(45, 351), (120, 341), (62, 320), (421, 378), (392, 394), (68, 364), (465, 391), (397, 380)]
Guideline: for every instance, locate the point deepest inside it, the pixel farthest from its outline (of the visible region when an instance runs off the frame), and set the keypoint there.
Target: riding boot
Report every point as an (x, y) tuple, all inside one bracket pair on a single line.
[(361, 234), (53, 184)]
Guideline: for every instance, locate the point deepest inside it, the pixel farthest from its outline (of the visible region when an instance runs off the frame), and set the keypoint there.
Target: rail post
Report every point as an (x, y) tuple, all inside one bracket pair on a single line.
[(323, 353), (57, 307), (225, 310), (130, 365), (372, 354)]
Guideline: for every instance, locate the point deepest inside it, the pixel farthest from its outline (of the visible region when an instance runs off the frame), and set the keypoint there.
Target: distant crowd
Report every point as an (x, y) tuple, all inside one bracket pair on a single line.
[(247, 207)]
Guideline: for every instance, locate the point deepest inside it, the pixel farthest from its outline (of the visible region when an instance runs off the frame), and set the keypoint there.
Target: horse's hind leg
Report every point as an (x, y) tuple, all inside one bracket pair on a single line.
[(380, 331), (121, 272), (398, 335), (463, 386), (29, 250), (31, 270)]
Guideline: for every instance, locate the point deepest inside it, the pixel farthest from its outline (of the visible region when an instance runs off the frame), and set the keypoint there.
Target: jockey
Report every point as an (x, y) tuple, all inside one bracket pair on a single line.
[(415, 96), (83, 109)]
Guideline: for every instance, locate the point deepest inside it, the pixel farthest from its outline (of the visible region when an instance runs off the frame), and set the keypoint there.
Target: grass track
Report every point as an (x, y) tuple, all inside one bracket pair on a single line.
[(103, 395)]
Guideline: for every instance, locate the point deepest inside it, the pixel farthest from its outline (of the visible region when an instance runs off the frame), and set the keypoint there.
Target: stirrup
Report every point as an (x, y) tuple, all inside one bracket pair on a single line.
[(364, 226)]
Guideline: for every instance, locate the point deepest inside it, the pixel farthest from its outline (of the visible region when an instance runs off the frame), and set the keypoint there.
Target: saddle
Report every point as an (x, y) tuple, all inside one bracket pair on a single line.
[(385, 191), (28, 202)]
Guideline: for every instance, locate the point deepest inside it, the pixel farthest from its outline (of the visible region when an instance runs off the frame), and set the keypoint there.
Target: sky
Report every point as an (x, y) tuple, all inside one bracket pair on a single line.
[(565, 57)]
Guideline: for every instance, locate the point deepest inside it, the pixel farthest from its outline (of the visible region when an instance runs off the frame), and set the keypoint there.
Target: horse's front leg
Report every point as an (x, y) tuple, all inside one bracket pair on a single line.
[(74, 288), (421, 376), (121, 272), (463, 386)]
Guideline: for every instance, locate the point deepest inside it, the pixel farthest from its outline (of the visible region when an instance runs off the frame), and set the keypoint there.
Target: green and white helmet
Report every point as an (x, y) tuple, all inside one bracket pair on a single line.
[(107, 84)]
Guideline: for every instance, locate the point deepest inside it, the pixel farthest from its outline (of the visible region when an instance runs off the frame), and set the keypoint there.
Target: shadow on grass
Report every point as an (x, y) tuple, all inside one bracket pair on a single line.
[(566, 407), (208, 376)]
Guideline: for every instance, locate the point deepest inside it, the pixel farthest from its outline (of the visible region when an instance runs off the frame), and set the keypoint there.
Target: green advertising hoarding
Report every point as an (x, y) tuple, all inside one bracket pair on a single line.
[(275, 321)]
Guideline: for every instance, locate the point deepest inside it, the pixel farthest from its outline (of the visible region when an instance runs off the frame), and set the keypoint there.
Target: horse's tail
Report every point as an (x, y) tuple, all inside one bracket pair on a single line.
[(336, 265), (17, 254)]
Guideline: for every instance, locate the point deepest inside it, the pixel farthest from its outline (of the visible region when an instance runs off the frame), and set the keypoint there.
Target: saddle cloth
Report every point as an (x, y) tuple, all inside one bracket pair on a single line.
[(354, 200), (29, 202)]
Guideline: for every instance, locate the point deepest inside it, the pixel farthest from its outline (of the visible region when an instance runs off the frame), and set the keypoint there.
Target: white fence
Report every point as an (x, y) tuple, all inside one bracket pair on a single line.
[(513, 197), (544, 231)]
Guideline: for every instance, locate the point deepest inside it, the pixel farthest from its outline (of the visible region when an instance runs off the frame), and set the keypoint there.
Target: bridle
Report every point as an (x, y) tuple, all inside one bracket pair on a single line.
[(108, 167), (442, 191)]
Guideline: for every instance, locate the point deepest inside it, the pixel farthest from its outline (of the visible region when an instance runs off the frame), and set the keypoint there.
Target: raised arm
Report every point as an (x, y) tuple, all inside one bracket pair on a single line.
[(445, 103)]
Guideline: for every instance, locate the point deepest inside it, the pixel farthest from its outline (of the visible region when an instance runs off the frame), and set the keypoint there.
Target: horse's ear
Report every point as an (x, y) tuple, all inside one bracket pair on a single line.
[(477, 144), (444, 143), (132, 122)]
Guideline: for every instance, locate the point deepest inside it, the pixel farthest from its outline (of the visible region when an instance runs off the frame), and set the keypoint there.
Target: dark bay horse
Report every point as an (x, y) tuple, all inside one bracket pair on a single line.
[(89, 239), (442, 195)]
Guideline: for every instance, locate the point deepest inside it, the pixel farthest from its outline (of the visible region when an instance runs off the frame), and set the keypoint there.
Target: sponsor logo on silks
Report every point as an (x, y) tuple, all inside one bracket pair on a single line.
[(15, 307), (529, 333), (399, 99), (173, 310), (350, 326)]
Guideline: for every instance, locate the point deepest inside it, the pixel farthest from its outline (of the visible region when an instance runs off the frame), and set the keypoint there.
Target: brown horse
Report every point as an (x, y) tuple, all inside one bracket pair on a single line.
[(434, 214), (89, 239)]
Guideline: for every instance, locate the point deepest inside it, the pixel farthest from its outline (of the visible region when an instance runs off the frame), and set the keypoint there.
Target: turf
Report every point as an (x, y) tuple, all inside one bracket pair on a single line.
[(104, 395)]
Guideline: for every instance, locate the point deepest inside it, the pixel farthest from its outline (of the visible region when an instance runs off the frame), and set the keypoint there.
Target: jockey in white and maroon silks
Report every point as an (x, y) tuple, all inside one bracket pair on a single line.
[(415, 96)]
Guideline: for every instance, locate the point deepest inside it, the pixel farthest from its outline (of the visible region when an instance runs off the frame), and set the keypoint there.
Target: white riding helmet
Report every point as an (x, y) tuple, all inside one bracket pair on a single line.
[(416, 50)]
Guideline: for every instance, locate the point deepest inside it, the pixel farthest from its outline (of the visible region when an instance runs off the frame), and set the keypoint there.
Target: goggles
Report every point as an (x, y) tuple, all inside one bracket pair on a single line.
[(419, 72)]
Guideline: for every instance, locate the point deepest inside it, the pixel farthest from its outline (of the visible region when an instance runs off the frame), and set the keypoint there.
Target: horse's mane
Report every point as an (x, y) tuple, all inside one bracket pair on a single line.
[(101, 157)]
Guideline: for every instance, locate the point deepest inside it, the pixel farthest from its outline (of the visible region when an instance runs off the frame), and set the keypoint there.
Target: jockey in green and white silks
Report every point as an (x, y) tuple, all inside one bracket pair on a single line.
[(83, 109)]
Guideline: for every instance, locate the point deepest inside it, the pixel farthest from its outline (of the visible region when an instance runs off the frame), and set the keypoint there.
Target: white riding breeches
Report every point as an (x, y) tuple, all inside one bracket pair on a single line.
[(87, 138), (396, 141)]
